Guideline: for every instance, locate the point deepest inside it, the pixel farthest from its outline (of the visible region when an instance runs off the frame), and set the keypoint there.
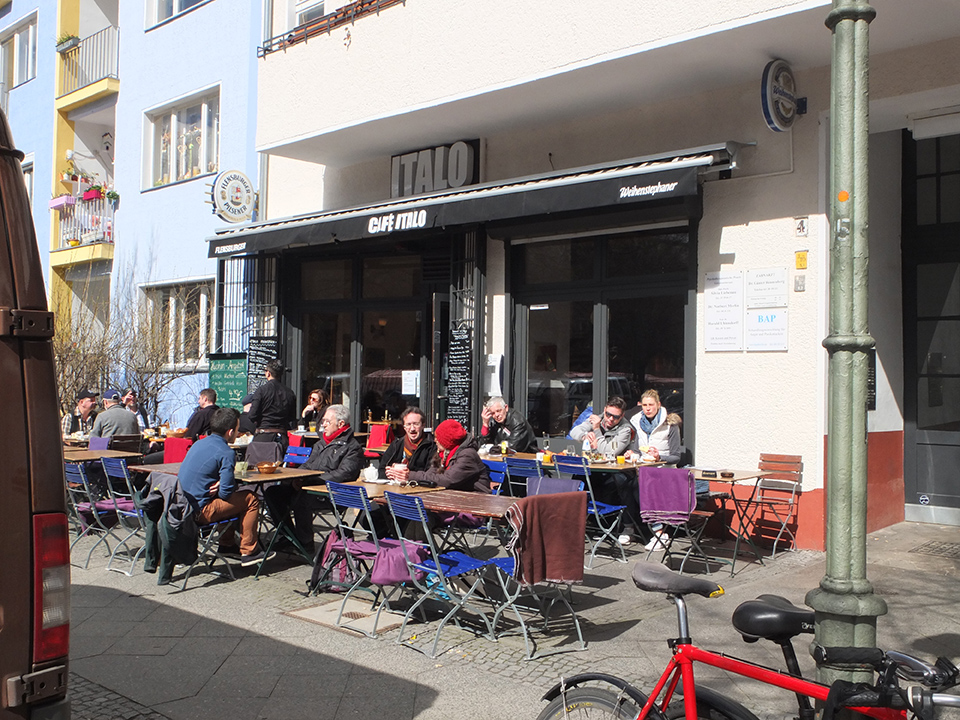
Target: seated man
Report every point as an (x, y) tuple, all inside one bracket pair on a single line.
[(206, 476), (83, 416), (414, 449), (456, 465), (610, 434), (501, 424), (199, 422), (130, 402), (115, 418), (337, 454)]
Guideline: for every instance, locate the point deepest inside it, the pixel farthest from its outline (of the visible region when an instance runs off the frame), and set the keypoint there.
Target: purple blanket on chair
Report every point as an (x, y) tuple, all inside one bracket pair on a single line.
[(667, 495)]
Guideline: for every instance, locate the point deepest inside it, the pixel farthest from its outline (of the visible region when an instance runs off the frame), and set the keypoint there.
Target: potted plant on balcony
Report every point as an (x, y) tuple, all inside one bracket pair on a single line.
[(67, 42), (95, 192), (62, 201), (112, 196)]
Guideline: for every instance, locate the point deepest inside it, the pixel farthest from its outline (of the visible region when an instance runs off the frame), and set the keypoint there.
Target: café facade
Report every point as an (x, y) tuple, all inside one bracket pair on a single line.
[(644, 211)]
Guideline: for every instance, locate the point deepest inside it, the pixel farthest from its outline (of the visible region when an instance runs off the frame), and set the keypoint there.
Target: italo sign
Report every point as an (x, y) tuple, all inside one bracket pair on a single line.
[(232, 195), (410, 220), (437, 168)]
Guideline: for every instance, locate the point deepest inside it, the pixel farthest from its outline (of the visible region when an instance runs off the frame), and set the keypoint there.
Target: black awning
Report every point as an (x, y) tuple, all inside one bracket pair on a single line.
[(626, 184)]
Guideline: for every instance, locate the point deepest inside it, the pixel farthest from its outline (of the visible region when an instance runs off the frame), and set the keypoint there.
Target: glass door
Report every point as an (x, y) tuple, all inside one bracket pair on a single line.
[(326, 356)]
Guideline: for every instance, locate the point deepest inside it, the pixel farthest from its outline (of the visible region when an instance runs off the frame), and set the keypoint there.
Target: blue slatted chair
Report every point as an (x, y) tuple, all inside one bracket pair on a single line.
[(433, 578), (130, 518), (296, 456), (604, 518), (90, 516), (517, 472)]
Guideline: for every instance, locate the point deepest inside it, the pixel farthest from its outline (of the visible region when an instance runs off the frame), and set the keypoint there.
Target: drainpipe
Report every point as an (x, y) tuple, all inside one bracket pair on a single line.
[(846, 607)]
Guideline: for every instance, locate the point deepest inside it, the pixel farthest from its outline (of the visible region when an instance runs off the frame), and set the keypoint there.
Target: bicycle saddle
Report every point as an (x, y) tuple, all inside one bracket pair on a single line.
[(654, 577), (773, 618)]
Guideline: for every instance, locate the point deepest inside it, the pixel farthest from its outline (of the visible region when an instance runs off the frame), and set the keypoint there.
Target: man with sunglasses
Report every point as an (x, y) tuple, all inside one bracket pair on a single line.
[(608, 434)]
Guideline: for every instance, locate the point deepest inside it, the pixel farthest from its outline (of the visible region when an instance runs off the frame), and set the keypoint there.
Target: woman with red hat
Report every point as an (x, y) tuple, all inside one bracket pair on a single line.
[(457, 464)]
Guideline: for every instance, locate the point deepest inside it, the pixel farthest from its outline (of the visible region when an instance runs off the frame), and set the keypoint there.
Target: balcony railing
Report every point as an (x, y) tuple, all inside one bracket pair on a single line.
[(344, 15), (87, 222), (95, 58)]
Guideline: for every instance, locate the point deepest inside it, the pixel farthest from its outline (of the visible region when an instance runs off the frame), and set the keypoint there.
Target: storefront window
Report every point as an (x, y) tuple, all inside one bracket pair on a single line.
[(647, 254), (326, 355), (326, 279), (560, 370), (391, 362), (392, 276), (560, 261)]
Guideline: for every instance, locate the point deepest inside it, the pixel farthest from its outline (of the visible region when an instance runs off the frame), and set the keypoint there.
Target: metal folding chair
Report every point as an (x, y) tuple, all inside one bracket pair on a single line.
[(129, 517), (517, 471), (530, 518), (776, 492), (91, 516), (296, 456), (605, 518), (668, 497), (433, 578), (209, 540)]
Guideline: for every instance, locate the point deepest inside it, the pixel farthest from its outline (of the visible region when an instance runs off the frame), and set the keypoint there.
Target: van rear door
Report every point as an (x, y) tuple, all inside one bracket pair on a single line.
[(34, 552)]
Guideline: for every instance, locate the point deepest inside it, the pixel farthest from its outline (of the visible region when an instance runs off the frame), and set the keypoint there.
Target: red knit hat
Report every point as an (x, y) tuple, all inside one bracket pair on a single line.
[(450, 434)]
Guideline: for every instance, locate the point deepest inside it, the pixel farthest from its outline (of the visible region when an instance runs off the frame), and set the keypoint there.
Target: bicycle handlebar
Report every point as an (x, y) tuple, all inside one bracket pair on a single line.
[(848, 656)]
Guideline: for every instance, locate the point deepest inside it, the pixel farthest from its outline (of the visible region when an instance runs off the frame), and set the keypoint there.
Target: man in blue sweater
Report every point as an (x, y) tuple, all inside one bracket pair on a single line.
[(206, 476)]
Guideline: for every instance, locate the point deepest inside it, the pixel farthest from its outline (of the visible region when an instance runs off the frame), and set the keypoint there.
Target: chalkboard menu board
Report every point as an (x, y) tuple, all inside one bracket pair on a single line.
[(260, 351), (458, 376), (228, 377)]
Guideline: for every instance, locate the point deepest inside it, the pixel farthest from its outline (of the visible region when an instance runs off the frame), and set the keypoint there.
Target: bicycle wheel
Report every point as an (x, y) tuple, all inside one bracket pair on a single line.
[(711, 705), (591, 703)]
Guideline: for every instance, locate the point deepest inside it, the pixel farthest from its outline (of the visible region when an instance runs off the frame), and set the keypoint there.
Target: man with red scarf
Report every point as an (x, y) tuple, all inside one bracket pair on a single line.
[(338, 454), (414, 449), (457, 464)]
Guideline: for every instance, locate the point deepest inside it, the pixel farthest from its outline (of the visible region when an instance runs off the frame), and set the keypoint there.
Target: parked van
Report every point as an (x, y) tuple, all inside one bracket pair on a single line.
[(35, 565)]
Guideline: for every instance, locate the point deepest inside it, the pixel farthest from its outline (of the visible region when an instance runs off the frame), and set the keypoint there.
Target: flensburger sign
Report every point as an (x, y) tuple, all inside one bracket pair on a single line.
[(232, 195), (778, 95)]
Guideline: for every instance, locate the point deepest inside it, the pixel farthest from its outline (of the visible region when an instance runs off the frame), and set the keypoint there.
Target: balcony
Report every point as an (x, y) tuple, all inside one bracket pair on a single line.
[(86, 222), (95, 60)]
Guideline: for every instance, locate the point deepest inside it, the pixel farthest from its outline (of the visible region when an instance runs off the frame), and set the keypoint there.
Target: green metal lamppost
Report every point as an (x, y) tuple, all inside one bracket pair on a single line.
[(846, 607)]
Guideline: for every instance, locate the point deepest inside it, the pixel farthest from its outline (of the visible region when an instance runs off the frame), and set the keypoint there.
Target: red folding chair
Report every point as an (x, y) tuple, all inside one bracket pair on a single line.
[(379, 436), (175, 449)]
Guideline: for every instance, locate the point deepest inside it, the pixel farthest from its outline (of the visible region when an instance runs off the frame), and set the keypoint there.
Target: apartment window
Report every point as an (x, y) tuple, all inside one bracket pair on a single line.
[(168, 8), (183, 313), (18, 56), (248, 299), (308, 10), (186, 139), (27, 166)]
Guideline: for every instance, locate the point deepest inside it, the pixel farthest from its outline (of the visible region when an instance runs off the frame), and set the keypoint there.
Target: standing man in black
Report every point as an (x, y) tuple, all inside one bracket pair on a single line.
[(273, 409)]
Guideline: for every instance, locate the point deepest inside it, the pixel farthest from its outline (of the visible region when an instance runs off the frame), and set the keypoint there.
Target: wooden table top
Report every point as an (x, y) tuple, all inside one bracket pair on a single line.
[(375, 490), (253, 476), (86, 455), (475, 503)]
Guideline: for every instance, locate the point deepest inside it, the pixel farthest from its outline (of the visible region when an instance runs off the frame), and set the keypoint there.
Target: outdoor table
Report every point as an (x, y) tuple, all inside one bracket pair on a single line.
[(462, 501), (87, 455), (609, 466), (375, 490), (253, 475), (740, 506)]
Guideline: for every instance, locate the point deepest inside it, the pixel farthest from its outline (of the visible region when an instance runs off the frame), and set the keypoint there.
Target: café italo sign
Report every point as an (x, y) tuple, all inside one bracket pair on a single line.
[(437, 168), (232, 196)]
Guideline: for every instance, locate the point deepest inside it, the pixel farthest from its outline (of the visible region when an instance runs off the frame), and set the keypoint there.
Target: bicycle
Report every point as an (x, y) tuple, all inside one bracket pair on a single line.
[(769, 617)]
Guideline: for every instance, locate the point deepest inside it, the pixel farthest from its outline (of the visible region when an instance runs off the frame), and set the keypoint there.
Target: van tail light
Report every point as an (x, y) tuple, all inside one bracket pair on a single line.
[(51, 587)]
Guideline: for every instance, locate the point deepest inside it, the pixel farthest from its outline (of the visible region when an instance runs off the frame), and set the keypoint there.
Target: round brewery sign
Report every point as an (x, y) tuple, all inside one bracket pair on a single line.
[(778, 96), (233, 196)]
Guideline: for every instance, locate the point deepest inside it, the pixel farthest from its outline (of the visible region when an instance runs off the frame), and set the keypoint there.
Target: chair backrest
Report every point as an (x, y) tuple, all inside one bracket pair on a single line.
[(498, 474), (517, 470), (175, 449), (575, 466), (79, 494), (552, 486), (355, 497), (99, 443), (666, 495), (127, 443), (295, 455), (294, 440), (782, 473), (410, 508), (378, 436), (118, 477)]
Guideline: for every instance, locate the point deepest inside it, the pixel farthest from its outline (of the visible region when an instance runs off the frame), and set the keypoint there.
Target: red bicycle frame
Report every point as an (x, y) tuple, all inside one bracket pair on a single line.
[(681, 667)]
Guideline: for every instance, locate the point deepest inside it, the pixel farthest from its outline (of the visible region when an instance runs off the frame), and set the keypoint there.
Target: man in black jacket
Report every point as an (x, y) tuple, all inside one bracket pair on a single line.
[(414, 448), (273, 408), (499, 423), (338, 454), (199, 422)]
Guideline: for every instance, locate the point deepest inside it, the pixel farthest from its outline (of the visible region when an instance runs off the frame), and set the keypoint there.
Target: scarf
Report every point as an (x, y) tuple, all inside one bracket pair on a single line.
[(648, 425), (446, 456), (409, 448), (327, 439)]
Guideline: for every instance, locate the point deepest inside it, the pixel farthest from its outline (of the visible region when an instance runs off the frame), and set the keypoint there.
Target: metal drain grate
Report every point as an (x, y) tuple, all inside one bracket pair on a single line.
[(354, 615), (940, 549)]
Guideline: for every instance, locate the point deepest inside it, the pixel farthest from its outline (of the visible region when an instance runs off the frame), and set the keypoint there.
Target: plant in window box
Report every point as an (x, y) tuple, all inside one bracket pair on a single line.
[(112, 196), (95, 192), (62, 201), (67, 42)]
